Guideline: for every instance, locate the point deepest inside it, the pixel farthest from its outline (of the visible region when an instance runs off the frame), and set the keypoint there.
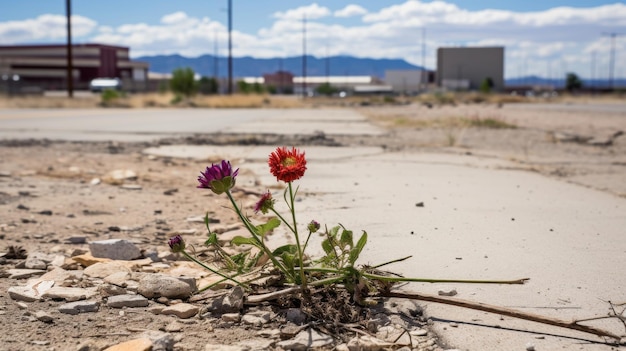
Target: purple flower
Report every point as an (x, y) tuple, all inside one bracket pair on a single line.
[(219, 178), (176, 243), (265, 203)]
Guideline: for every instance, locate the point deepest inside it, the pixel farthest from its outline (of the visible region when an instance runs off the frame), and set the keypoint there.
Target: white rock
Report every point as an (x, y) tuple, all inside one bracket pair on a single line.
[(69, 294), (115, 249), (306, 339), (222, 347), (118, 278), (24, 273), (127, 300), (368, 343), (256, 318), (33, 291), (104, 269), (122, 174)]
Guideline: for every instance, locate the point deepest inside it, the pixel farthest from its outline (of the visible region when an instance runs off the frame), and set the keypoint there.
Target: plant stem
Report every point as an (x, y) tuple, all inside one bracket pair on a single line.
[(252, 231), (295, 232), (211, 269), (424, 280)]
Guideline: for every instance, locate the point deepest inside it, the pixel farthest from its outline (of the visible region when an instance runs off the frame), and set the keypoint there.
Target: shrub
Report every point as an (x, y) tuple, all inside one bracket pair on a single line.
[(183, 82)]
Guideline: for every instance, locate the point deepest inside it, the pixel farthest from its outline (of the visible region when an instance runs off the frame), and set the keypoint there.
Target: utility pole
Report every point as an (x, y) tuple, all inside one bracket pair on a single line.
[(70, 77), (215, 67), (424, 79), (613, 35), (230, 47), (304, 93)]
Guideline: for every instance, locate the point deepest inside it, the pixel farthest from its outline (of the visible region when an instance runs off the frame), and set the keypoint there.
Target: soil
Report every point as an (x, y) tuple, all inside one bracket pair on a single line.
[(47, 196)]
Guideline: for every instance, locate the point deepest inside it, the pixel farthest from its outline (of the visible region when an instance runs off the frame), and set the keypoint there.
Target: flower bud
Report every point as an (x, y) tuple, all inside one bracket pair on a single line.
[(313, 226), (177, 244)]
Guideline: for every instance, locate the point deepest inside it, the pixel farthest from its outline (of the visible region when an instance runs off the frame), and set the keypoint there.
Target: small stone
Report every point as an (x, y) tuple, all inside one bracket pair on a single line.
[(160, 341), (120, 175), (307, 339), (156, 285), (231, 317), (296, 316), (87, 259), (44, 317), (95, 181), (24, 273), (115, 249), (222, 347), (196, 219), (229, 303), (181, 310), (447, 292), (107, 290), (118, 278), (368, 343), (530, 347), (79, 307), (174, 327), (21, 305), (419, 332), (76, 239), (256, 318), (142, 344), (69, 294), (131, 187), (104, 269), (454, 324), (127, 300)]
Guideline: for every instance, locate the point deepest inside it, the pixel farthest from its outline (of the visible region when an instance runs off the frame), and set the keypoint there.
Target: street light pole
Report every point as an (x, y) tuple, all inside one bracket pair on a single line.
[(70, 78), (612, 58)]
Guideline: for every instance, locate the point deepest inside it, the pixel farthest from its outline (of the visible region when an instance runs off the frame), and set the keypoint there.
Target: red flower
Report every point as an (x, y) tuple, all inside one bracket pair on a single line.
[(287, 165)]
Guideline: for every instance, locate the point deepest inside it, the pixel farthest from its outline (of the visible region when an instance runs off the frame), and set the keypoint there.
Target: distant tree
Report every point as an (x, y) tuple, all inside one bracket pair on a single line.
[(183, 82), (257, 88), (326, 89), (208, 86), (572, 82), (244, 87), (486, 85)]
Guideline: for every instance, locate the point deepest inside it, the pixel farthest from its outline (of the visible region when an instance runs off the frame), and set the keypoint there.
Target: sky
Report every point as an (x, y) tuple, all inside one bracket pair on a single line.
[(547, 38)]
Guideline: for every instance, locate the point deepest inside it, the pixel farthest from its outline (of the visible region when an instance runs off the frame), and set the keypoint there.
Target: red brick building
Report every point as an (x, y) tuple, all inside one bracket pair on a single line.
[(44, 67)]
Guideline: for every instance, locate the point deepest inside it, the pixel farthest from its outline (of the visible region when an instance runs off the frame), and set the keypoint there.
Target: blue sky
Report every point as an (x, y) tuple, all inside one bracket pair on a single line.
[(546, 38)]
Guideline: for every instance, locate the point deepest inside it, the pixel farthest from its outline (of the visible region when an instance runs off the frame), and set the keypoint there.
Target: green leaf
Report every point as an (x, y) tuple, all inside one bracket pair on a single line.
[(346, 239), (289, 248), (240, 240), (327, 246), (265, 228), (212, 240), (356, 251)]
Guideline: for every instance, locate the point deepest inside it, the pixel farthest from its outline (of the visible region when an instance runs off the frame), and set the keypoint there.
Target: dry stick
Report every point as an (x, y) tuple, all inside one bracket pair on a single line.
[(503, 311)]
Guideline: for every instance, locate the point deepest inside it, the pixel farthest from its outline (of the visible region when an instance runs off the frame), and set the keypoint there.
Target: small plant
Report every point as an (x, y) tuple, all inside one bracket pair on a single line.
[(341, 247)]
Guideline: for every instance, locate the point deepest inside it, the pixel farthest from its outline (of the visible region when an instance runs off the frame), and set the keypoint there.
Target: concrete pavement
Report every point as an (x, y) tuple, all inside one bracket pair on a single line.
[(482, 217)]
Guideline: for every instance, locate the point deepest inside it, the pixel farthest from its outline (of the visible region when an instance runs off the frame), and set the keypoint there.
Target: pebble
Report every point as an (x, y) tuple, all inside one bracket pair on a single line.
[(44, 317), (229, 303), (127, 300), (131, 187), (87, 259), (530, 347), (307, 339), (256, 318), (447, 292), (142, 344), (80, 307), (231, 317), (154, 285), (115, 249), (181, 310)]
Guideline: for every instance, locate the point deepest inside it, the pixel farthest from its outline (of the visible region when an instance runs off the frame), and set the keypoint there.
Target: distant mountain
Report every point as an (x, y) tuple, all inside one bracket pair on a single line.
[(207, 65), (560, 82)]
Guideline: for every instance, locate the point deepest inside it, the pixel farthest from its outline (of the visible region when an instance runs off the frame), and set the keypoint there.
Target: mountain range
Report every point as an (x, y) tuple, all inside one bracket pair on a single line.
[(209, 66)]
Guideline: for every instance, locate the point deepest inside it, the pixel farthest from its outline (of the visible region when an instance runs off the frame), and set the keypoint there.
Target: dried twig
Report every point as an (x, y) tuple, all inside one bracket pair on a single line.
[(503, 311)]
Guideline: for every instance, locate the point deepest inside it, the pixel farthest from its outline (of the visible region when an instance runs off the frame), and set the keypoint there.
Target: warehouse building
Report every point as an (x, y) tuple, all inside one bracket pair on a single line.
[(466, 68), (35, 68)]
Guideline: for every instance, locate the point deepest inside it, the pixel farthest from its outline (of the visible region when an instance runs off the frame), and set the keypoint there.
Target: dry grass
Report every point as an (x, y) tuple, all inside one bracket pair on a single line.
[(165, 100)]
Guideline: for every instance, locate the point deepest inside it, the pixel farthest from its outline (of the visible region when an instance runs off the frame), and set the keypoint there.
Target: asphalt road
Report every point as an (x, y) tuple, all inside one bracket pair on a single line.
[(152, 124)]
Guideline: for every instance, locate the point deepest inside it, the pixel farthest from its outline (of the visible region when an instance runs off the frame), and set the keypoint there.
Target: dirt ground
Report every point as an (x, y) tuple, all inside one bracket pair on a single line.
[(48, 195)]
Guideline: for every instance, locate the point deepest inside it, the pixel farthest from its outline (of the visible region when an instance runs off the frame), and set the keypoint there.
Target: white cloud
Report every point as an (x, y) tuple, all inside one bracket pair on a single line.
[(44, 27), (351, 11), (313, 11), (174, 18)]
